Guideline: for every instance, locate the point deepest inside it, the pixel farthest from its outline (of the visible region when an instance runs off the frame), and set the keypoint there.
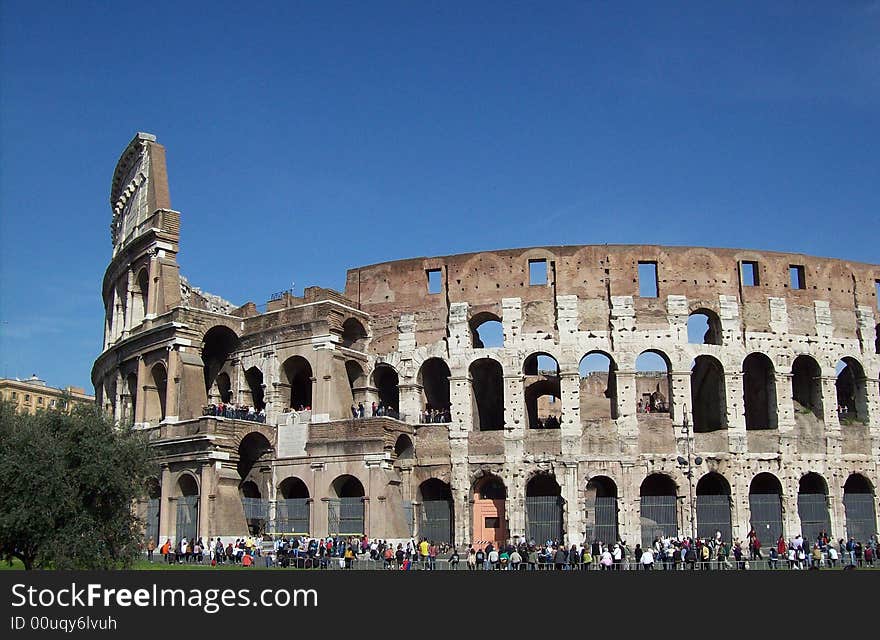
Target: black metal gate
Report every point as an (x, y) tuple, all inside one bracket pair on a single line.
[(187, 517), (766, 520), (256, 512), (409, 517), (544, 518), (602, 520), (813, 512), (713, 514), (861, 515), (151, 524), (659, 518), (435, 522), (345, 516), (292, 516)]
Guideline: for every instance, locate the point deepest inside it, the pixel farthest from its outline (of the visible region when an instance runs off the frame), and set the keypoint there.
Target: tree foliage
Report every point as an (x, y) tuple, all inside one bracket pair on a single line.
[(68, 483)]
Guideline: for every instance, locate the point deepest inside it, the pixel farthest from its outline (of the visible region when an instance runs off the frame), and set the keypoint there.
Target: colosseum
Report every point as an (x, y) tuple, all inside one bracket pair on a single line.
[(568, 392)]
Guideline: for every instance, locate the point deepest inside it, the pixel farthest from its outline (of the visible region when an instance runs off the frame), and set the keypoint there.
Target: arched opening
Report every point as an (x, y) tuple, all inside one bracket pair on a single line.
[(713, 507), (658, 510), (544, 509), (131, 386), (542, 391), (386, 382), (765, 507), (223, 388), (759, 392), (139, 298), (598, 386), (704, 327), (298, 373), (436, 518), (293, 509), (490, 514), (256, 509), (709, 406), (877, 339), (434, 378), (403, 448), (155, 393), (602, 515), (852, 396), (487, 380), (859, 503), (654, 383), (151, 520), (813, 506), (187, 508), (345, 511), (806, 385), (486, 331), (219, 343), (357, 382), (254, 379), (354, 336), (254, 448)]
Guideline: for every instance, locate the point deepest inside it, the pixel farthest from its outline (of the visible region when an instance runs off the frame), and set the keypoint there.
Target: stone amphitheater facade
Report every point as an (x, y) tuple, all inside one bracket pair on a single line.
[(771, 420)]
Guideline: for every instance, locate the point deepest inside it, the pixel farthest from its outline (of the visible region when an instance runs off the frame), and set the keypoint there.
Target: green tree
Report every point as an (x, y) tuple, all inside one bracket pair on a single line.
[(67, 486)]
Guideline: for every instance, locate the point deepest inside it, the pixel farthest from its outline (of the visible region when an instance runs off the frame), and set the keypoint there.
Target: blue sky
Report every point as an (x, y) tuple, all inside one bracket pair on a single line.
[(307, 138)]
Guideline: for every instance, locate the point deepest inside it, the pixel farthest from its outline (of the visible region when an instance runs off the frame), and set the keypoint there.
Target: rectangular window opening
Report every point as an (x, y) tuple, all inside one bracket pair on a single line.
[(492, 523), (797, 277), (648, 280), (537, 272), (877, 292), (749, 271), (435, 281)]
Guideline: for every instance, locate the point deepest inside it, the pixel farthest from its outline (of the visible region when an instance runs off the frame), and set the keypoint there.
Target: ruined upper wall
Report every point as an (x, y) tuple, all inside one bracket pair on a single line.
[(597, 273)]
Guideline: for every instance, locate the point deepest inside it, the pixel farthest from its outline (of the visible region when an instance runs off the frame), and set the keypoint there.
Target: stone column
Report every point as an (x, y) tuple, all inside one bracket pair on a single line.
[(785, 414), (515, 418), (280, 398), (172, 386), (460, 393), (627, 417), (681, 397), (167, 504), (834, 446), (461, 488), (736, 418), (574, 530), (207, 494), (410, 401), (318, 509), (140, 405)]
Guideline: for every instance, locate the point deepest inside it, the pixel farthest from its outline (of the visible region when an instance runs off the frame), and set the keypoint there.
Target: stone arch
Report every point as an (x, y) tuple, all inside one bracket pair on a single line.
[(254, 450), (813, 505), (433, 377), (852, 392), (806, 384), (487, 331), (759, 392), (354, 335), (704, 327), (346, 506), (601, 510), (541, 371), (357, 383), (156, 393), (708, 397), (139, 296), (714, 507), (387, 381), (131, 385), (218, 344), (860, 507), (654, 382), (489, 511), (658, 507), (298, 375), (765, 507), (293, 507), (187, 491), (598, 386), (403, 448), (487, 395), (437, 513), (256, 388), (544, 508)]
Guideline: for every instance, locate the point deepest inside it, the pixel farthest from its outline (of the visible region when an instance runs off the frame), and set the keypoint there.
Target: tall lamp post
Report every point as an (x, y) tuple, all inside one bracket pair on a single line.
[(687, 465)]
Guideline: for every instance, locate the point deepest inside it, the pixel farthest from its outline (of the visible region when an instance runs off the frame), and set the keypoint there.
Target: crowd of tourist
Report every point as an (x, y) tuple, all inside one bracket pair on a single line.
[(665, 553), (429, 415), (235, 411)]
